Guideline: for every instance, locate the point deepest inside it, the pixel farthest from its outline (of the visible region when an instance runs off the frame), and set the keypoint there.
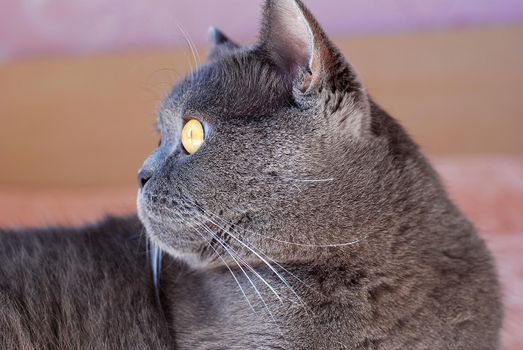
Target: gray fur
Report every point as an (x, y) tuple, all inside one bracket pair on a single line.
[(83, 288), (308, 220)]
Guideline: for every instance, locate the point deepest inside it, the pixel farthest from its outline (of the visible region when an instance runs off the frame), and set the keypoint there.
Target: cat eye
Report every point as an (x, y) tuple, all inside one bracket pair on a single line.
[(193, 136)]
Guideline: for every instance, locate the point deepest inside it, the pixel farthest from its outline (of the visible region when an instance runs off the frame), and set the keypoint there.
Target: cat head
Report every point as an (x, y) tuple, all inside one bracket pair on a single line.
[(283, 149)]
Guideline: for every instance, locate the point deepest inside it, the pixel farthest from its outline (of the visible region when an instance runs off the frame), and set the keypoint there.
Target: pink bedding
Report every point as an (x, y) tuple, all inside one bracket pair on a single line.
[(489, 189)]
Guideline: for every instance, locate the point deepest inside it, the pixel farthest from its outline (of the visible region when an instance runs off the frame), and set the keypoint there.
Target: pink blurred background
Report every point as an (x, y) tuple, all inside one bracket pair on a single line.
[(51, 27)]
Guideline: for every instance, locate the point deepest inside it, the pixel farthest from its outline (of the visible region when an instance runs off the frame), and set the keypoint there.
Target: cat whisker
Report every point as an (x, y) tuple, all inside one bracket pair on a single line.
[(308, 180), (257, 291), (194, 51), (305, 245), (235, 256), (220, 257), (225, 230), (155, 259), (285, 282), (309, 245), (300, 301), (230, 270), (233, 253), (238, 259), (278, 265), (231, 225)]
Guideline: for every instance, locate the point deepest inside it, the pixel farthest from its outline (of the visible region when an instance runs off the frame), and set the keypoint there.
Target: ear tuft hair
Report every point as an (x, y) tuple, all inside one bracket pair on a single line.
[(220, 43)]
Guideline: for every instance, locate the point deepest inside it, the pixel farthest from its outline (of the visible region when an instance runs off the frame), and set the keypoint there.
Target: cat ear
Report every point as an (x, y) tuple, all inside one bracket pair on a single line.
[(220, 43), (294, 40)]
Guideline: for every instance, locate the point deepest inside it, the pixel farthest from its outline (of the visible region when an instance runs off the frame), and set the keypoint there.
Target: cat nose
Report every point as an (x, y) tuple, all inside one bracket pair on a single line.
[(144, 175)]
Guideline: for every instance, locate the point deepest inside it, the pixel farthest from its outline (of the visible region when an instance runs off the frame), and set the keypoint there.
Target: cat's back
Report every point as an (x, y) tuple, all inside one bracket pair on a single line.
[(78, 288)]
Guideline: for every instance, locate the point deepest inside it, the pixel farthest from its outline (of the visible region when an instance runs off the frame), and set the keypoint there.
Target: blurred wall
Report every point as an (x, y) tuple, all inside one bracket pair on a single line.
[(52, 27)]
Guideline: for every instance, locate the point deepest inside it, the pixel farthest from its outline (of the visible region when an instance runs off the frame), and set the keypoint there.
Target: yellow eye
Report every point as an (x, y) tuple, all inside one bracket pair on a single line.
[(192, 136)]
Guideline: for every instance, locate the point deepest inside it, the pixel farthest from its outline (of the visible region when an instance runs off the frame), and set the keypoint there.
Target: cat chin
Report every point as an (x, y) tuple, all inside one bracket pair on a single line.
[(154, 234), (194, 260)]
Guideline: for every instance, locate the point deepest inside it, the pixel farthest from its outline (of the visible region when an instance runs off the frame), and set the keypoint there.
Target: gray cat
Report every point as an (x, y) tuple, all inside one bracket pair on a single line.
[(294, 213)]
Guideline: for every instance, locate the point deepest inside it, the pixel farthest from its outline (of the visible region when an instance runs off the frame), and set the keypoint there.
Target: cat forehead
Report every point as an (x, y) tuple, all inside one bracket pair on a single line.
[(235, 85)]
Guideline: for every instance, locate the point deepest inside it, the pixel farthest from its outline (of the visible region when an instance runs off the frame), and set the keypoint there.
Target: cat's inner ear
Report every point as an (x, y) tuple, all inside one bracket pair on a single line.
[(220, 43), (294, 40)]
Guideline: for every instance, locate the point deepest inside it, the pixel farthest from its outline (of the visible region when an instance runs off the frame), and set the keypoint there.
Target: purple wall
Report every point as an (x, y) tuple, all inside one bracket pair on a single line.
[(52, 27)]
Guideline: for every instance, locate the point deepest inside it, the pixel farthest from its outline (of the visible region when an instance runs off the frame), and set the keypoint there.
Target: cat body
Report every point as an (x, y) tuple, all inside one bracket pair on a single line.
[(91, 288), (307, 219), (81, 288)]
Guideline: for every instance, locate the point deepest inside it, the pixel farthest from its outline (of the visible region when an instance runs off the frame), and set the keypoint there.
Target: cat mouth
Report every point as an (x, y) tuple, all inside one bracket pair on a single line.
[(172, 228), (180, 228)]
